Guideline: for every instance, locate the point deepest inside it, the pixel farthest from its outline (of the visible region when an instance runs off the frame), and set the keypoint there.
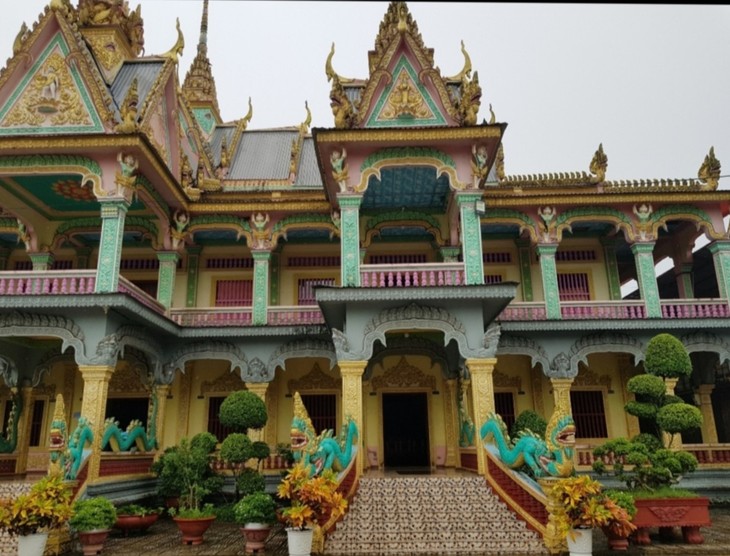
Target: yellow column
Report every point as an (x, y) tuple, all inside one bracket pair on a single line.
[(561, 394), (672, 441), (93, 407), (451, 412), (352, 372), (258, 388), (482, 393), (26, 415), (162, 391), (709, 430), (553, 539)]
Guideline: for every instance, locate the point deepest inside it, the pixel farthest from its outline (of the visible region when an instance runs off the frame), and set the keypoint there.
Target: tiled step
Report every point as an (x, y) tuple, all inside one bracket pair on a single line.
[(430, 515)]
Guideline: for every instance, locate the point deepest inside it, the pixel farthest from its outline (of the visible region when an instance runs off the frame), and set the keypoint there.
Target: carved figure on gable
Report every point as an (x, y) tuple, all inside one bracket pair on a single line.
[(709, 171), (599, 164), (479, 165), (24, 235), (643, 214), (547, 214), (135, 30), (129, 110), (342, 108), (261, 236), (126, 177), (177, 233), (404, 101), (338, 159)]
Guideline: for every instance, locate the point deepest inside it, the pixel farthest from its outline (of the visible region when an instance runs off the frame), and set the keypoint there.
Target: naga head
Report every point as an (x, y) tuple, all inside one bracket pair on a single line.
[(58, 434), (302, 430), (560, 442)]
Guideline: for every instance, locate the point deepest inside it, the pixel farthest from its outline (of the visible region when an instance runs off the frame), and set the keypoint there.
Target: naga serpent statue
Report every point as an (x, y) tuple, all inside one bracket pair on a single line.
[(135, 435), (318, 453), (58, 451), (552, 457), (9, 441), (81, 436)]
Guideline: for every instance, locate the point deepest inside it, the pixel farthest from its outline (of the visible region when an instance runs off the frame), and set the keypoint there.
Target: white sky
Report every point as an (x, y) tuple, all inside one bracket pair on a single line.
[(651, 82)]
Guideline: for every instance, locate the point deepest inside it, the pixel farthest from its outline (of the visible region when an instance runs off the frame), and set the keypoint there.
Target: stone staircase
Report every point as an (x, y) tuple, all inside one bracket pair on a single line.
[(430, 515)]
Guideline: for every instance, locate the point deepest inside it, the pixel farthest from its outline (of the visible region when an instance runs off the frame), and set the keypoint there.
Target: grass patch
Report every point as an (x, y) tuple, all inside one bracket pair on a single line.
[(663, 492)]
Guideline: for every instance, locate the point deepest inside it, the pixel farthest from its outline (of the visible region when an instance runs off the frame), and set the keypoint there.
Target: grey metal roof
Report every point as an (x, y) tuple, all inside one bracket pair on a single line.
[(146, 74), (216, 141), (263, 155), (354, 94), (308, 172)]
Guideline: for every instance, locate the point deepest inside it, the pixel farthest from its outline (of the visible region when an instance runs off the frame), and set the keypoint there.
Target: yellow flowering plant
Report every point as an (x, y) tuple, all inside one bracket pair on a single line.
[(582, 504), (314, 500)]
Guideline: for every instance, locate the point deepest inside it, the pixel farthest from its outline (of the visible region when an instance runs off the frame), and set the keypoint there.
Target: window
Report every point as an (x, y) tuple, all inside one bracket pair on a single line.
[(322, 409), (414, 258), (504, 404), (36, 422), (214, 422), (305, 294), (573, 286), (589, 414), (234, 293), (492, 278), (147, 286)]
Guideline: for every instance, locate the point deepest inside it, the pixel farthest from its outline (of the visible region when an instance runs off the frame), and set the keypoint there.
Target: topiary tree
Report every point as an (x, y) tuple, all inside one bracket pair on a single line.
[(243, 410), (528, 420), (236, 450), (653, 464)]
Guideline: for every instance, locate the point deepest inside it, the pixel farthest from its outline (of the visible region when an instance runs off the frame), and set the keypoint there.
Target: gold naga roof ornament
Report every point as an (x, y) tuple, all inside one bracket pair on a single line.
[(492, 117), (129, 110), (20, 39), (329, 70), (176, 51), (342, 108), (470, 100), (304, 126), (709, 171), (465, 71), (243, 122), (499, 163), (599, 164)]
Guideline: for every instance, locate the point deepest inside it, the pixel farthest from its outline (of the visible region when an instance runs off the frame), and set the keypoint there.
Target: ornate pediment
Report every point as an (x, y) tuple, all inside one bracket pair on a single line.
[(225, 383), (316, 379), (403, 375), (501, 380), (587, 377)]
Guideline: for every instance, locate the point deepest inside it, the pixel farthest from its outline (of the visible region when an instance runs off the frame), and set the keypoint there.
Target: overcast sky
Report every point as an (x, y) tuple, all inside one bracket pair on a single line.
[(650, 82)]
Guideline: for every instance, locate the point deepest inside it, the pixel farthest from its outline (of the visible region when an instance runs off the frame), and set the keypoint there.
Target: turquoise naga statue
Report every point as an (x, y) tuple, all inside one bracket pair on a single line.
[(135, 435), (551, 457), (81, 436), (9, 441), (59, 456), (318, 453)]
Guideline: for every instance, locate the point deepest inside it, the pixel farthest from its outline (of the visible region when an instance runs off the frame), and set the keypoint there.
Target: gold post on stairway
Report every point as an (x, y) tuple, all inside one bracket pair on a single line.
[(482, 393), (352, 372)]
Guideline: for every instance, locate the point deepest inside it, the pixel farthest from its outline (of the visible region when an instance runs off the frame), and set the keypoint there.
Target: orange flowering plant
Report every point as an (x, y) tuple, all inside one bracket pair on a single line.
[(582, 504), (46, 506), (314, 500)]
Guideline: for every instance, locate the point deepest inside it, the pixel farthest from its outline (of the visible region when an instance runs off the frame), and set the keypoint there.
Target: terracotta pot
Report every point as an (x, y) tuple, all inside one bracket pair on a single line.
[(255, 535), (127, 523), (92, 542), (615, 542), (193, 529)]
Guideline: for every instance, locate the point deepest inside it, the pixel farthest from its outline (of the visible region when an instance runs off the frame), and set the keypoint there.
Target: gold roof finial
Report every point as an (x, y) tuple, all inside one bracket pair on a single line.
[(247, 118), (20, 39), (176, 51), (492, 117), (466, 70), (599, 164), (304, 126), (329, 70), (709, 171)]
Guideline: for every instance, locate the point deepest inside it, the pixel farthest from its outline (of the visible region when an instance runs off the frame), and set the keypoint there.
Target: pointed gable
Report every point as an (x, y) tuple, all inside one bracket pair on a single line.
[(51, 97)]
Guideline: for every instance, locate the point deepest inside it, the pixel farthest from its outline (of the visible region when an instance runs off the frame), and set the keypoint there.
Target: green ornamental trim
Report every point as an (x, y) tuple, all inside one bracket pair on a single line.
[(37, 162), (95, 222), (679, 210), (593, 212), (407, 152), (302, 219), (219, 219)]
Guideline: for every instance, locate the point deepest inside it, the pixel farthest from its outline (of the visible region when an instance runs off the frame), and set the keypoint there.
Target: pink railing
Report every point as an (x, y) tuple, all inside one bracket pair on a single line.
[(695, 308), (294, 315), (47, 282), (602, 309), (125, 286), (706, 454), (534, 310), (411, 275), (213, 316)]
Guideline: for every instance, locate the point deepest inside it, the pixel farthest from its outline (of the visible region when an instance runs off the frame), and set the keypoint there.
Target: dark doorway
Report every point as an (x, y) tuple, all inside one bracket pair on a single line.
[(405, 430)]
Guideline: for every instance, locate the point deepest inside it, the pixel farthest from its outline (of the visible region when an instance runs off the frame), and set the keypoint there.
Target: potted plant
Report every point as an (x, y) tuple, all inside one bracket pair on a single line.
[(582, 506), (313, 501), (616, 533), (256, 513), (649, 464), (32, 515), (190, 461), (93, 518), (136, 517)]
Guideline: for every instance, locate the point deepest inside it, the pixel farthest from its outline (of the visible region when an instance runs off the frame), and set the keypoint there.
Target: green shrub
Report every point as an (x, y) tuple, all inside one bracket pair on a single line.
[(258, 507), (667, 357), (651, 386), (250, 481), (679, 417), (91, 514), (623, 499), (260, 450), (236, 448), (529, 420), (243, 410), (204, 441)]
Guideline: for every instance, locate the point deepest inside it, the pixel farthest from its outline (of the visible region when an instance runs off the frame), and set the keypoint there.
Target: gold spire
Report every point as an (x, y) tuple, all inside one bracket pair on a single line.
[(199, 85)]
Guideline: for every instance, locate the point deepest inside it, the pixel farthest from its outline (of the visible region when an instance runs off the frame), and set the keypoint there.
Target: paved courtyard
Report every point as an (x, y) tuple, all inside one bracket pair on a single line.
[(225, 539)]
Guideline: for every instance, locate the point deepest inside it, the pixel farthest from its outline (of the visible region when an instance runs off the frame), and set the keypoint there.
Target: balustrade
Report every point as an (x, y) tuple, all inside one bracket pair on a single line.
[(411, 275)]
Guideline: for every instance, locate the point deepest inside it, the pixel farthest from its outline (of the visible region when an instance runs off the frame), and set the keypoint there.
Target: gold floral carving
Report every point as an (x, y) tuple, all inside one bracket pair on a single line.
[(537, 393), (561, 394), (316, 379), (107, 51), (45, 390), (405, 100), (93, 405), (403, 375), (588, 377), (126, 380), (502, 380), (225, 383), (51, 98)]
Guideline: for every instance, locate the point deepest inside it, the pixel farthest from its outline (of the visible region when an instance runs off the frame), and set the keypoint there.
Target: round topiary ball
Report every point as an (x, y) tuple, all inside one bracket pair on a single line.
[(667, 357), (679, 417), (243, 410)]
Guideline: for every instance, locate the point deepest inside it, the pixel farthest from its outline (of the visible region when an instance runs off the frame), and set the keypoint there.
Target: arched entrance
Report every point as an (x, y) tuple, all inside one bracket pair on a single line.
[(405, 430)]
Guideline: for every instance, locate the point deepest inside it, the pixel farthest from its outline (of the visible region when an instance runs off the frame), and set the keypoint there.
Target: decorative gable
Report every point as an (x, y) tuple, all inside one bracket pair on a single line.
[(51, 98), (405, 101)]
